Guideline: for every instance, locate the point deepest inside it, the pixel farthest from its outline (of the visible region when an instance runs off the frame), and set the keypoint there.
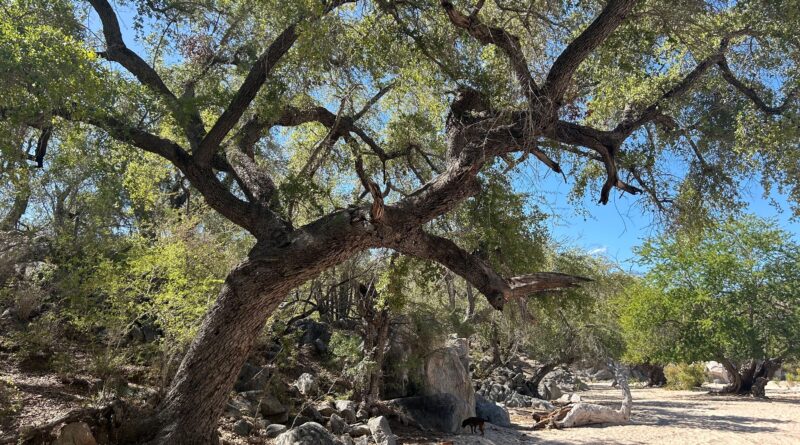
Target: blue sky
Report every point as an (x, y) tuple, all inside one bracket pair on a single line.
[(612, 230), (615, 229)]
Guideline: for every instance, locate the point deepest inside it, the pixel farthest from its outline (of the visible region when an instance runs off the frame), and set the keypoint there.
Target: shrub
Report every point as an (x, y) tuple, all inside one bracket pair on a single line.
[(10, 398), (684, 376)]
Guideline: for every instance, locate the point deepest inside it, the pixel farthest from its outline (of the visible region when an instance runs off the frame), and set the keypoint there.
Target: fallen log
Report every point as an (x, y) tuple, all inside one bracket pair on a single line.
[(581, 413)]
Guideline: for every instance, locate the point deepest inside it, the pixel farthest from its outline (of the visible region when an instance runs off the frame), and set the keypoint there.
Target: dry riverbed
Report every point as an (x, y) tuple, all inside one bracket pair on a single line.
[(662, 417)]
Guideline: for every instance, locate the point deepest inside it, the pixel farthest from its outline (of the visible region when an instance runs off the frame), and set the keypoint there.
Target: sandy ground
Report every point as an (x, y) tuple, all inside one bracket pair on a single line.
[(663, 417), (658, 417)]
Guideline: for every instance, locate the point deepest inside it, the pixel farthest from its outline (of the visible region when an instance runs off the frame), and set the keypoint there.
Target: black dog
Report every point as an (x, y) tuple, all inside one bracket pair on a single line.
[(473, 422)]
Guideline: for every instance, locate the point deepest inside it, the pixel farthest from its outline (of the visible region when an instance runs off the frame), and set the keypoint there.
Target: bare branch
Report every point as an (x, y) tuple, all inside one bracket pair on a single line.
[(497, 289), (499, 37), (728, 75), (117, 51), (252, 84)]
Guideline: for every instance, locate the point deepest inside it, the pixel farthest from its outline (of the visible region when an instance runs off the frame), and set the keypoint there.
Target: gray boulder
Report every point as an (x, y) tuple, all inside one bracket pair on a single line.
[(242, 427), (447, 372), (239, 406), (306, 384), (437, 412), (381, 432), (310, 433), (252, 378), (316, 335), (325, 408), (337, 425), (491, 412), (359, 430), (274, 430), (77, 433)]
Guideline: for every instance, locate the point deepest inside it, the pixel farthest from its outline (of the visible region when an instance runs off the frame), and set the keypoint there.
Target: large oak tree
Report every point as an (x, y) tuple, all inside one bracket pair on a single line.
[(277, 112)]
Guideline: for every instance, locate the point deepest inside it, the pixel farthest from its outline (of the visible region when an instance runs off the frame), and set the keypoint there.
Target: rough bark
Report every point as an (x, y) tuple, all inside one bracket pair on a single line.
[(533, 382), (751, 377), (376, 341), (11, 220)]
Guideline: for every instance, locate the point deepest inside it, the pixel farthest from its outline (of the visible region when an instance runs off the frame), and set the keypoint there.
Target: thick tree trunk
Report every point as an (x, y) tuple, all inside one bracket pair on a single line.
[(533, 383), (589, 413), (750, 378), (655, 374), (200, 390), (18, 208)]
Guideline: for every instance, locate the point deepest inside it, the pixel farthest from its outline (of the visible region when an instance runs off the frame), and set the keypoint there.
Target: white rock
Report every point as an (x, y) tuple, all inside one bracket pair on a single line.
[(381, 432)]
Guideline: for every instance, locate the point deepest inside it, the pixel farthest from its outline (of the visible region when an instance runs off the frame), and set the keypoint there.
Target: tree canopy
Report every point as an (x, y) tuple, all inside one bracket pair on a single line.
[(728, 293), (324, 128)]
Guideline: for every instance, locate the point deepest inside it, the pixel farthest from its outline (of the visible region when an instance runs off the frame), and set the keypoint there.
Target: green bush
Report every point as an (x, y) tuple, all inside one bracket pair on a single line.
[(10, 398), (684, 376)]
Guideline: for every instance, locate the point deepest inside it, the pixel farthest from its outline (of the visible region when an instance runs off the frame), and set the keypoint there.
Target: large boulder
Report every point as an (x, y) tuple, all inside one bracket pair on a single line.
[(274, 430), (310, 433), (717, 373), (77, 433), (447, 372), (315, 335), (491, 412), (337, 425), (436, 412), (381, 432), (252, 378)]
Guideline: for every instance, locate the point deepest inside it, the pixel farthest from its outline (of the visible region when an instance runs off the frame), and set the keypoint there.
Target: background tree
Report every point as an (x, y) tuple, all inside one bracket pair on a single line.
[(325, 128), (726, 293)]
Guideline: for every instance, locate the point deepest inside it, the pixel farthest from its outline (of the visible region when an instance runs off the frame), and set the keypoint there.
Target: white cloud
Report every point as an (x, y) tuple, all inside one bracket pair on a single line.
[(601, 250)]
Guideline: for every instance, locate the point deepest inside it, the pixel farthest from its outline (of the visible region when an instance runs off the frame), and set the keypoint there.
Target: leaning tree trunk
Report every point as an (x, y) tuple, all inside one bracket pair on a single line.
[(199, 392)]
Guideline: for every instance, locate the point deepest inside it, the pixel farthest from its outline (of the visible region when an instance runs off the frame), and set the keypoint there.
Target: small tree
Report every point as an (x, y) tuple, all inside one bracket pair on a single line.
[(727, 293)]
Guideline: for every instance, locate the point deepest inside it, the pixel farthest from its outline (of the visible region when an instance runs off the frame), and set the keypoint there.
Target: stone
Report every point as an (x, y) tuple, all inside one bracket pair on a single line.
[(541, 404), (569, 398), (239, 406), (381, 433), (436, 412), (242, 427), (325, 408), (715, 371), (76, 433), (306, 384), (252, 378), (359, 430), (517, 400), (316, 335), (603, 374), (346, 440), (348, 415), (491, 412), (312, 413), (269, 406), (310, 433), (337, 425), (363, 440), (447, 372), (274, 430)]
